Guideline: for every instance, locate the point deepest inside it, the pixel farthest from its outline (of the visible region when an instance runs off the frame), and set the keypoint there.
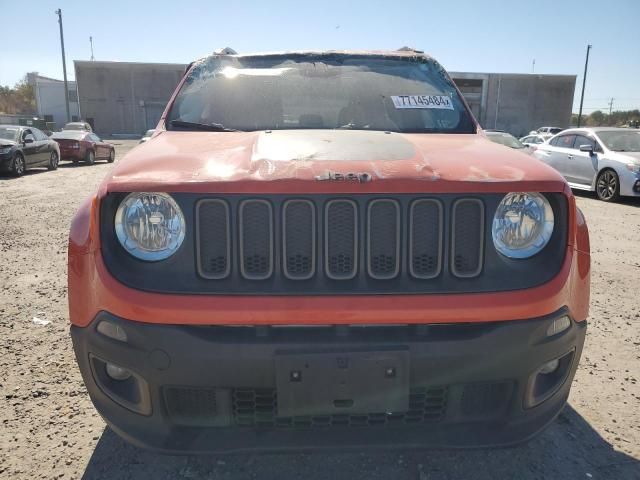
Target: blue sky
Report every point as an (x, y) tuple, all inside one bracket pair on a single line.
[(464, 35)]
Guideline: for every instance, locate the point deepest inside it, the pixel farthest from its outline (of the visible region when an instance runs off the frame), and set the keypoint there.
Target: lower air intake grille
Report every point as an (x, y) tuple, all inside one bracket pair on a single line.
[(191, 406), (484, 400), (258, 408)]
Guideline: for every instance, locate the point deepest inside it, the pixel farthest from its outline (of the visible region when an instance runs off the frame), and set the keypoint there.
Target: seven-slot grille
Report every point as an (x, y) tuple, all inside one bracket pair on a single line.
[(339, 238)]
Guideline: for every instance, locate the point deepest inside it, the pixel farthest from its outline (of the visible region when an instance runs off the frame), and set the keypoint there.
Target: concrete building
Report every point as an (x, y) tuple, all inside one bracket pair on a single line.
[(50, 100), (518, 103), (125, 97), (129, 98)]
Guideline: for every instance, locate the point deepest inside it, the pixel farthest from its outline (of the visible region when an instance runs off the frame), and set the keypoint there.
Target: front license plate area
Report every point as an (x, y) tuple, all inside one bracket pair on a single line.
[(342, 382)]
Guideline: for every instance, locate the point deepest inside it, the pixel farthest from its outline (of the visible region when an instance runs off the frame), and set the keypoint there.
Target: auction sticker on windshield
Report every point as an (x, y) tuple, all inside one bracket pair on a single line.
[(422, 101)]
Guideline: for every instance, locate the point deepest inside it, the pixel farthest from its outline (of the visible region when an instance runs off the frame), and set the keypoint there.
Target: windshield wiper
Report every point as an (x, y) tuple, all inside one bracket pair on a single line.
[(207, 127)]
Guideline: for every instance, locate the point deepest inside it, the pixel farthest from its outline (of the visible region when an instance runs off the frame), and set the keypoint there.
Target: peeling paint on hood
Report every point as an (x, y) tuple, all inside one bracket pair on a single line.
[(291, 160)]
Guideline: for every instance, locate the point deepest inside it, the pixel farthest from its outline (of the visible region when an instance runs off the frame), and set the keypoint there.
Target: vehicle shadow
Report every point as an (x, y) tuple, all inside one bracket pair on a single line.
[(4, 176), (569, 448)]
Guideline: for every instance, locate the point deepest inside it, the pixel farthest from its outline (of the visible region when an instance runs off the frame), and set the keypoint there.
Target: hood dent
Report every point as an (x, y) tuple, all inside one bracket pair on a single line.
[(210, 158)]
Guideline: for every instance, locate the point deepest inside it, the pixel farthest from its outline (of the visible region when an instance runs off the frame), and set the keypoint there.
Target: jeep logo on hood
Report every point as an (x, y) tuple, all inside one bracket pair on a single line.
[(344, 177)]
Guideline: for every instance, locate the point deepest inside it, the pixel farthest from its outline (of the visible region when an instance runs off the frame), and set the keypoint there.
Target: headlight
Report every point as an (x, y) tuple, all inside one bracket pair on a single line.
[(4, 150), (522, 225), (150, 226)]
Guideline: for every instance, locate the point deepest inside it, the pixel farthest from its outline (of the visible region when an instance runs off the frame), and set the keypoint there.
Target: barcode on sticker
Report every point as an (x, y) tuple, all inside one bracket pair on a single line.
[(422, 101)]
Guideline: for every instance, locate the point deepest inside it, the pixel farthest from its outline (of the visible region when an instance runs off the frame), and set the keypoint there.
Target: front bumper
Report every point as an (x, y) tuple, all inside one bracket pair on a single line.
[(6, 162), (215, 388), (71, 154)]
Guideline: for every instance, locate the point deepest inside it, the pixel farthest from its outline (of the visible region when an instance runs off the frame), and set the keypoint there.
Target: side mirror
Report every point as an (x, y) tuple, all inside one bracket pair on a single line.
[(586, 148), (29, 139)]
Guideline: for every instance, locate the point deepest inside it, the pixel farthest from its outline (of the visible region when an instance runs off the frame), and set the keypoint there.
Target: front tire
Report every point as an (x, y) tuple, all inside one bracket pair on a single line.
[(54, 160), (90, 157), (112, 156), (19, 166), (608, 186)]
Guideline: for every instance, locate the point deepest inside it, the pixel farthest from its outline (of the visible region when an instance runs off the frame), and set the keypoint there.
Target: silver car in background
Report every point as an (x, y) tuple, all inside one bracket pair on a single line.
[(601, 159)]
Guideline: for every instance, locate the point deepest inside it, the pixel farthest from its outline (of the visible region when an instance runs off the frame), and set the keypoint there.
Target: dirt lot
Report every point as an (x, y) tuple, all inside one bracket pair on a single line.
[(49, 428)]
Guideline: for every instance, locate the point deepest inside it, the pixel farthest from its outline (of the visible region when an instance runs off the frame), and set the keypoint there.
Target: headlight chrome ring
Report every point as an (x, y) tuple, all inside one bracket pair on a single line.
[(522, 225), (150, 225)]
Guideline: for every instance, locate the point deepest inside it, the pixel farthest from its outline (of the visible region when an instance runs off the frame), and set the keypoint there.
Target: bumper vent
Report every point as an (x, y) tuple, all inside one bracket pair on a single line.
[(191, 406), (258, 408)]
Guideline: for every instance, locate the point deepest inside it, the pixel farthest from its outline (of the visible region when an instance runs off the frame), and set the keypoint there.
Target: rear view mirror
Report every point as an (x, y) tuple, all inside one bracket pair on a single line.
[(586, 148), (29, 139)]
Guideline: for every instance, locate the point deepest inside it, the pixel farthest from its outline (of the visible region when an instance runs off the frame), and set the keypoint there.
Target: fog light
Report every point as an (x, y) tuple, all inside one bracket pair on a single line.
[(549, 367), (558, 325), (116, 372), (112, 330)]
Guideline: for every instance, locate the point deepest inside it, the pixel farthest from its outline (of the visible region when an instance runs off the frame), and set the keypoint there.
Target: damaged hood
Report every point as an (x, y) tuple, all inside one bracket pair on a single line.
[(306, 161)]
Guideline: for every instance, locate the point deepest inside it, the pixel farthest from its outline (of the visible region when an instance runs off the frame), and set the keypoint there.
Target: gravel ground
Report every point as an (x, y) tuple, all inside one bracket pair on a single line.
[(49, 428)]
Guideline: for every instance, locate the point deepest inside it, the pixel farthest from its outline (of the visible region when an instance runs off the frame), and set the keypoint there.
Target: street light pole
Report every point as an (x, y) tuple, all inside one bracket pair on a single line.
[(64, 66), (584, 81)]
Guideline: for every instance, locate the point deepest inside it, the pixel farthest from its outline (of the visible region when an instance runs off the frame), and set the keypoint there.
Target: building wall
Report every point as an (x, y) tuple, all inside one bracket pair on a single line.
[(518, 103), (127, 98), (50, 100)]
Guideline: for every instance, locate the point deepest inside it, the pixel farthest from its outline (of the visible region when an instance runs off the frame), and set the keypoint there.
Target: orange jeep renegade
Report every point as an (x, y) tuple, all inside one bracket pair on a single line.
[(322, 249)]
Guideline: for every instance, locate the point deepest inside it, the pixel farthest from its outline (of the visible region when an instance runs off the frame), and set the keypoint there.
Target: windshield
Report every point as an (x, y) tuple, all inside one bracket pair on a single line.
[(320, 92), (621, 141), (505, 139), (9, 133)]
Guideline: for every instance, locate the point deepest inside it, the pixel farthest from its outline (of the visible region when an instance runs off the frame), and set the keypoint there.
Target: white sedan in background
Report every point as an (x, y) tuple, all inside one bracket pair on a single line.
[(601, 159)]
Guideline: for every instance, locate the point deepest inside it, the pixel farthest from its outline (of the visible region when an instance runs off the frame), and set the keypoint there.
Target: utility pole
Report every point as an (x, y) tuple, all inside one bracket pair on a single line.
[(584, 81), (610, 109), (533, 66), (91, 42), (64, 66)]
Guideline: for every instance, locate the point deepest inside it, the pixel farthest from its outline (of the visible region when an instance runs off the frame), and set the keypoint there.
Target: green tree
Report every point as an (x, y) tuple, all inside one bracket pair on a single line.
[(19, 99), (596, 119)]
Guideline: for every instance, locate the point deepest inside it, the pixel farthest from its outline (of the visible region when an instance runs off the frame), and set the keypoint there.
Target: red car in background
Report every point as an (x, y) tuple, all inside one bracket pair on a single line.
[(80, 146)]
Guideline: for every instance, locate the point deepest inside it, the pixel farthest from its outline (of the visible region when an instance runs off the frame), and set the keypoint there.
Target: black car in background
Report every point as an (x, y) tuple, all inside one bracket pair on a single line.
[(26, 147)]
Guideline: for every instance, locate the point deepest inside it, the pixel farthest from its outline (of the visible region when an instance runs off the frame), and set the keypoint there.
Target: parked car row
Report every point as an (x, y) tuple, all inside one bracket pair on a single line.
[(23, 147)]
